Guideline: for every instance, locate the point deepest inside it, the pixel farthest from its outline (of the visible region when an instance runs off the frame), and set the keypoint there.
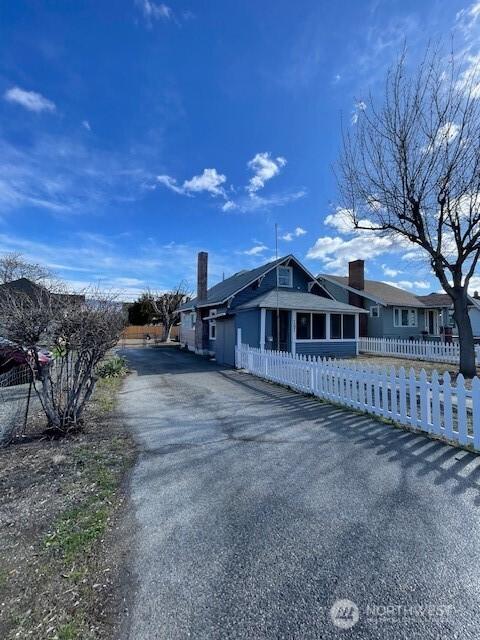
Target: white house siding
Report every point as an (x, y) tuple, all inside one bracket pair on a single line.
[(187, 334), (475, 320)]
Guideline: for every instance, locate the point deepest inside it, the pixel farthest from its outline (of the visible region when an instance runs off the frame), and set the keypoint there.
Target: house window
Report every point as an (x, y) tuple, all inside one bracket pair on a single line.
[(285, 276), (319, 326), (404, 317), (304, 326), (212, 325), (313, 326), (193, 320), (375, 312), (335, 326), (348, 327)]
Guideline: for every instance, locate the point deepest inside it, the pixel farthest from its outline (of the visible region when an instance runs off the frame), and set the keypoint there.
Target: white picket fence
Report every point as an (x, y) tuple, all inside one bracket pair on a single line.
[(435, 406), (414, 349)]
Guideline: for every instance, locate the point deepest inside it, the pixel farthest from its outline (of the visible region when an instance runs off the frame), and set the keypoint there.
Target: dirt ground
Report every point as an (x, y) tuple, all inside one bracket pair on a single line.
[(62, 553)]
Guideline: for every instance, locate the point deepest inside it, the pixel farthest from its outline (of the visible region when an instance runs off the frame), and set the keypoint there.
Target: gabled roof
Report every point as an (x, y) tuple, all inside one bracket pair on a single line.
[(299, 300), (379, 292), (221, 292)]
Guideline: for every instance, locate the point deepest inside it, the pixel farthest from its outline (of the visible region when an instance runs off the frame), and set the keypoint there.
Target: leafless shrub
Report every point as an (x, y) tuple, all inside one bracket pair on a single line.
[(77, 334)]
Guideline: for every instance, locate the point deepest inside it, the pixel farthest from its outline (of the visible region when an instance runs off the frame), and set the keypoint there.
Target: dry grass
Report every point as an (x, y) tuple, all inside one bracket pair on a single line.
[(59, 501), (416, 365)]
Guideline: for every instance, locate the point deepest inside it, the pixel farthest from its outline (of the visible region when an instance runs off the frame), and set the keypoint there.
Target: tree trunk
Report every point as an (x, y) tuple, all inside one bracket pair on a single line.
[(465, 336)]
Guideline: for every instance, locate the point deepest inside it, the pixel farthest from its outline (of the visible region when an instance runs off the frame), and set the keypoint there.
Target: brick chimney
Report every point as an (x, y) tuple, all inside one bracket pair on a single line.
[(201, 326), (475, 295), (356, 274), (356, 280)]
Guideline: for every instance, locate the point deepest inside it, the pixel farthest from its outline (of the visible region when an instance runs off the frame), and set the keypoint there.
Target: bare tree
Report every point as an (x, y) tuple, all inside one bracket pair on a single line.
[(14, 266), (77, 334), (165, 306), (410, 168)]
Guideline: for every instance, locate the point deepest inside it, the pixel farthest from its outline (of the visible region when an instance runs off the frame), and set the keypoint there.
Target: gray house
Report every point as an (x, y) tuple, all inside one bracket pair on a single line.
[(392, 312), (279, 305)]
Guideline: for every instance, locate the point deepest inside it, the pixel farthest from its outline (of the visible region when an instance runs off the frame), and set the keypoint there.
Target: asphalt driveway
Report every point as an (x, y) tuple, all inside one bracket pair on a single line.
[(257, 509)]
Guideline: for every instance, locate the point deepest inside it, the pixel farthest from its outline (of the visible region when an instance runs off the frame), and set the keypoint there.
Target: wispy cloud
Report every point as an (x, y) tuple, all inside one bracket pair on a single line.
[(154, 11), (256, 250), (296, 233), (86, 125), (64, 176), (29, 100)]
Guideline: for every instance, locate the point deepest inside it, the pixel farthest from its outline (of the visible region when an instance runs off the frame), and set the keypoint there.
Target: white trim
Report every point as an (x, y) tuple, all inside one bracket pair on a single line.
[(405, 326), (293, 332), (263, 314), (280, 261), (325, 340), (211, 324), (290, 276)]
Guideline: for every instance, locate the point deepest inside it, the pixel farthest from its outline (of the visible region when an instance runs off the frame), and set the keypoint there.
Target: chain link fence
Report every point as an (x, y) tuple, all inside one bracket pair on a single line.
[(17, 401)]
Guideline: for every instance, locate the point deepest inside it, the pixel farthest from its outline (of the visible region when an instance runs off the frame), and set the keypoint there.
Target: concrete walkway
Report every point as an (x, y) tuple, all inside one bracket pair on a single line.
[(258, 509)]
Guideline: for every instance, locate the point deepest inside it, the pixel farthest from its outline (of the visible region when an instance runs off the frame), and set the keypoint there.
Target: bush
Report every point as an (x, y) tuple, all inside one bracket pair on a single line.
[(116, 367)]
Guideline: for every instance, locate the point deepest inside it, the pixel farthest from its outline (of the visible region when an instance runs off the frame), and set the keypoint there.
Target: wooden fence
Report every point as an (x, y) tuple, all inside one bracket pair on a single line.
[(154, 333), (414, 349), (436, 406)]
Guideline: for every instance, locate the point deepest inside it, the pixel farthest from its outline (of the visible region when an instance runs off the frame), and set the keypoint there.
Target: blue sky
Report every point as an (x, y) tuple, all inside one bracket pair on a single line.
[(135, 133)]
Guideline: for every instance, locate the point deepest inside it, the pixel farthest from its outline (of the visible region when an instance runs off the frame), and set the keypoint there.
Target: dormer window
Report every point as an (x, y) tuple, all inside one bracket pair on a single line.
[(285, 276)]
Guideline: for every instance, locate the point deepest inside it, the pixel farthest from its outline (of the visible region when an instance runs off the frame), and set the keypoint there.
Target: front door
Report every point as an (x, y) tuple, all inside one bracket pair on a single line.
[(432, 322), (284, 326)]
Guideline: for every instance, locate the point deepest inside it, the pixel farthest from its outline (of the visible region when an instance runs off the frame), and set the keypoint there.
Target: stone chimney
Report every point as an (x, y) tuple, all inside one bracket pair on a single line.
[(475, 295), (201, 325), (356, 274)]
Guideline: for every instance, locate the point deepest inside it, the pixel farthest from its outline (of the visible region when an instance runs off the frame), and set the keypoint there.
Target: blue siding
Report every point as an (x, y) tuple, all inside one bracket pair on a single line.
[(249, 323), (339, 293), (333, 349), (300, 282)]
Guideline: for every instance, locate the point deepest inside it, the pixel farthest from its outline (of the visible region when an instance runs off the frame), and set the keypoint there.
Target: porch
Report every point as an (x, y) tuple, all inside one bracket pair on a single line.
[(306, 324)]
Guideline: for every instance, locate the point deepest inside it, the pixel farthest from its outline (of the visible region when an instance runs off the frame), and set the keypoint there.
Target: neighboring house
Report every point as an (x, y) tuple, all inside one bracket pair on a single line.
[(443, 302), (26, 287), (310, 320), (392, 312)]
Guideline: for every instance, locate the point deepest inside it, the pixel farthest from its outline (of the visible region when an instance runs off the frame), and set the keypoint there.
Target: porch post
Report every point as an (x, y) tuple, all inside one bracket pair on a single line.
[(293, 329), (327, 327), (239, 337), (263, 314), (357, 331)]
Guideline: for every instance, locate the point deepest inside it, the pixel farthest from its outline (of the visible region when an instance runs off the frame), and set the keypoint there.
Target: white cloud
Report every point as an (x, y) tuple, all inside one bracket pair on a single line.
[(335, 253), (409, 284), (342, 221), (265, 168), (86, 125), (256, 250), (210, 180), (357, 109), (154, 11), (388, 271), (229, 205), (288, 237), (29, 100)]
